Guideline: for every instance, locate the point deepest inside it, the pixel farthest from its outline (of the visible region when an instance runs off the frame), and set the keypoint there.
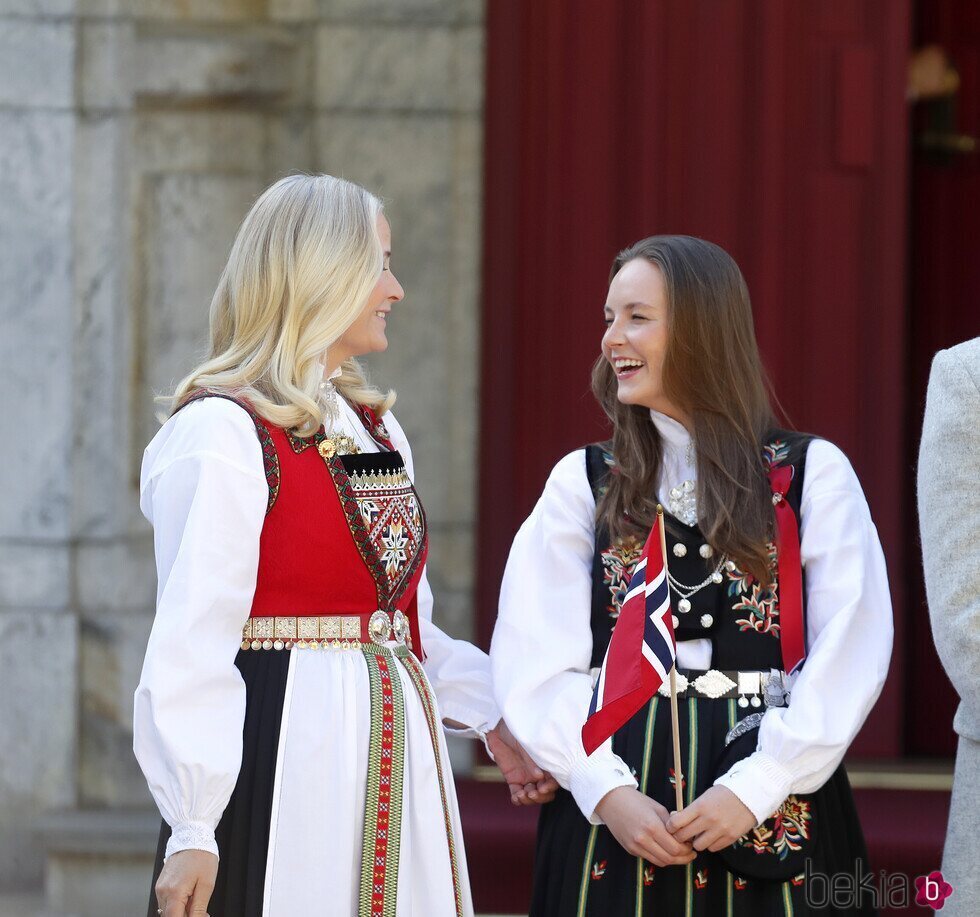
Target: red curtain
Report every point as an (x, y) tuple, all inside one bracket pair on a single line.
[(777, 130)]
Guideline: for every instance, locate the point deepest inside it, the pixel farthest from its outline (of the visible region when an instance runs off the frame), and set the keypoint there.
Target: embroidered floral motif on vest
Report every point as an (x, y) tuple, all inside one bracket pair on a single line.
[(617, 568), (786, 830), (759, 605)]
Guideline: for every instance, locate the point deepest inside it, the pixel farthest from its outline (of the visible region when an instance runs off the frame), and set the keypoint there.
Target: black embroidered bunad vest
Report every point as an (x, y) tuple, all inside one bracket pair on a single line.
[(581, 868)]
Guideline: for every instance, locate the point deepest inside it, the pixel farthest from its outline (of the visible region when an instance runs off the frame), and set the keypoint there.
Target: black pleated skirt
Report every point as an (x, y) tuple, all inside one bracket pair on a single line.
[(243, 833), (580, 869)]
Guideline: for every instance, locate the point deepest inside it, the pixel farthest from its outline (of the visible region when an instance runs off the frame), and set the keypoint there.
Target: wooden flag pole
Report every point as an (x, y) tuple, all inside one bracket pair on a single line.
[(674, 728)]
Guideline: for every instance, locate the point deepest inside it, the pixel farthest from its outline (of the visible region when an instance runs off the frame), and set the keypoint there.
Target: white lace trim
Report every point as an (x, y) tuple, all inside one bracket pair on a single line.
[(191, 835)]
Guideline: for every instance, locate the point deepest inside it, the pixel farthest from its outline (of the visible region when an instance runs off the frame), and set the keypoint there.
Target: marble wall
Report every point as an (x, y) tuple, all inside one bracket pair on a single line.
[(134, 134)]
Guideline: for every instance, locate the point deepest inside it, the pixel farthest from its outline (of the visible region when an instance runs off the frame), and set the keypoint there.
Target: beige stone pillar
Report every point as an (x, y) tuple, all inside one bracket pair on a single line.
[(134, 134)]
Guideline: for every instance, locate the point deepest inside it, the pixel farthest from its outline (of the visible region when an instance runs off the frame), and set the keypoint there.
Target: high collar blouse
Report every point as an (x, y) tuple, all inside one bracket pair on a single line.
[(542, 644), (203, 488)]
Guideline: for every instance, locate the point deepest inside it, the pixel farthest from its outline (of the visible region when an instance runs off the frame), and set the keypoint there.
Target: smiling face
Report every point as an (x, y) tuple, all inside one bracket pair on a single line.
[(367, 333), (635, 341)]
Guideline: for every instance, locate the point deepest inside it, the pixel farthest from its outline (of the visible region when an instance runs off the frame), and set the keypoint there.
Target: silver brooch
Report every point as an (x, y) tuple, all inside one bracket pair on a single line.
[(713, 684), (750, 722), (682, 683), (774, 691), (683, 503), (399, 626), (379, 627)]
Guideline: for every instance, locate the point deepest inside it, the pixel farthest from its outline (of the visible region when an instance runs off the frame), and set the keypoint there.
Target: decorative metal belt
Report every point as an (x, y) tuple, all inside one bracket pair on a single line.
[(339, 631), (755, 688)]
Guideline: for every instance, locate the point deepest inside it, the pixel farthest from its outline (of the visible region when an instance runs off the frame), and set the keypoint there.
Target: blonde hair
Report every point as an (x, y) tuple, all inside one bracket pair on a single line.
[(304, 262)]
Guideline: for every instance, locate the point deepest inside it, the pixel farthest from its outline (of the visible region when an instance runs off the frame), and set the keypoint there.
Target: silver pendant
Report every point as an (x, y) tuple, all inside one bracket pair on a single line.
[(329, 402)]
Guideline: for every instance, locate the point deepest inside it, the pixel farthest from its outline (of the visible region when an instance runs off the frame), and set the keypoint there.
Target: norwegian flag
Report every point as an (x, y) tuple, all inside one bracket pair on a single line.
[(641, 651)]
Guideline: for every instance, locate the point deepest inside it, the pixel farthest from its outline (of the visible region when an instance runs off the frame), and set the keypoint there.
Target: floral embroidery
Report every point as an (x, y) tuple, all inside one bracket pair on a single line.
[(648, 872), (598, 870), (762, 609), (701, 879), (617, 568), (759, 604), (740, 884), (798, 880), (739, 581), (790, 828), (775, 453)]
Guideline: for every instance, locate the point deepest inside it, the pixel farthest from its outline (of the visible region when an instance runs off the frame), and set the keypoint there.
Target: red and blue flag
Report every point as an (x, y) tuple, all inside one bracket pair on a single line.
[(641, 651)]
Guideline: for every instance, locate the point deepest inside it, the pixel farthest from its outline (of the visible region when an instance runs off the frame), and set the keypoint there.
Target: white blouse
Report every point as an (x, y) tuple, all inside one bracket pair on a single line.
[(542, 643), (203, 488)]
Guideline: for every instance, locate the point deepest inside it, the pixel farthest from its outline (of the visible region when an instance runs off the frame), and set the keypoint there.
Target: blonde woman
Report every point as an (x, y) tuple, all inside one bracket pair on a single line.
[(289, 715)]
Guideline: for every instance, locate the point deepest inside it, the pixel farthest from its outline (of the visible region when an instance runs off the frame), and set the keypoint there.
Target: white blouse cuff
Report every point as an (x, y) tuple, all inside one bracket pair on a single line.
[(760, 782), (477, 724), (591, 778), (191, 835)]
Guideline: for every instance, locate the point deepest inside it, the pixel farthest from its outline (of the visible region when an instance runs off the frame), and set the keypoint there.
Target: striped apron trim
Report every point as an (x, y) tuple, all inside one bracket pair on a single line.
[(385, 783), (414, 669)]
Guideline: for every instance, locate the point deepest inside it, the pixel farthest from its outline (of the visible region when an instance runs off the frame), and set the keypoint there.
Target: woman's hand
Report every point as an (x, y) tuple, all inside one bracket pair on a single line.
[(714, 820), (186, 882), (528, 784), (639, 824)]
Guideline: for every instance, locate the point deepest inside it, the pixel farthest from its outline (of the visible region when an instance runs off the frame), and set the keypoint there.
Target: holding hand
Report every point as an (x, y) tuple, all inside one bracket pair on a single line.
[(639, 823), (186, 883), (528, 784), (716, 819)]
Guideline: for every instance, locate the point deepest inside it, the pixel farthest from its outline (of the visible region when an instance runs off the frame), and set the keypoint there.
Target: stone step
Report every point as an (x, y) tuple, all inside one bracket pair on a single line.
[(24, 904), (99, 862)]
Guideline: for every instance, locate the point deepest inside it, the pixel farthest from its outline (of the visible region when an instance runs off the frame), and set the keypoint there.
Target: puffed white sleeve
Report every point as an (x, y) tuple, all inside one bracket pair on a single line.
[(204, 491), (542, 643), (849, 641), (458, 671)]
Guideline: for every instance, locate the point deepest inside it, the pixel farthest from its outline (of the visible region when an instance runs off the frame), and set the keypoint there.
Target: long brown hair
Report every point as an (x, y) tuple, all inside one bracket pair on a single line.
[(712, 371)]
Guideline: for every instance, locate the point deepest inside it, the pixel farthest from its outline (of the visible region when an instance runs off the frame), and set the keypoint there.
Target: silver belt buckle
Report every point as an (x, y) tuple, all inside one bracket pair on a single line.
[(379, 626), (399, 626), (774, 691)]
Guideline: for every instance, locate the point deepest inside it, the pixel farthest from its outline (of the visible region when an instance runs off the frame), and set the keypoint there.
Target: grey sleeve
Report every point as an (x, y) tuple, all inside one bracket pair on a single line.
[(949, 517)]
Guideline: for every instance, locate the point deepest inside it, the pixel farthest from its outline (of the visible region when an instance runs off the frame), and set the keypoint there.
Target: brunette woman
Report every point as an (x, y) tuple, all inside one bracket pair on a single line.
[(766, 801)]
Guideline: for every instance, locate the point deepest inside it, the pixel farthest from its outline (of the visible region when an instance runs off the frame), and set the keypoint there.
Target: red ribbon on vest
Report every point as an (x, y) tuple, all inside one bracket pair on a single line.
[(414, 627), (790, 570)]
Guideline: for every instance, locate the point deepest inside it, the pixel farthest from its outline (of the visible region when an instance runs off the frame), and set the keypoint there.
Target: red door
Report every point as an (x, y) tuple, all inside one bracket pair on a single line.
[(945, 298), (779, 131)]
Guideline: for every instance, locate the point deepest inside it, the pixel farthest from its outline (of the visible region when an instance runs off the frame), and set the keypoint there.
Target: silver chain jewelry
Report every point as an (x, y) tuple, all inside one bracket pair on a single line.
[(685, 591)]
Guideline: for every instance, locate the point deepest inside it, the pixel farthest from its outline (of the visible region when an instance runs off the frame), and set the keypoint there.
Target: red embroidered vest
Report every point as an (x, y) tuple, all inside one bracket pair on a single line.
[(343, 533)]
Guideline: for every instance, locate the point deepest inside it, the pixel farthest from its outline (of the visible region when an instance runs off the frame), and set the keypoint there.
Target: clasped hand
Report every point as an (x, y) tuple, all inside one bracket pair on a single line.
[(528, 784), (644, 828)]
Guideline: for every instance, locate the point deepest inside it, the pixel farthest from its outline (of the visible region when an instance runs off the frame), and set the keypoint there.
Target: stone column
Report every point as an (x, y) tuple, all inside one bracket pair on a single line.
[(398, 102), (39, 646), (133, 138)]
